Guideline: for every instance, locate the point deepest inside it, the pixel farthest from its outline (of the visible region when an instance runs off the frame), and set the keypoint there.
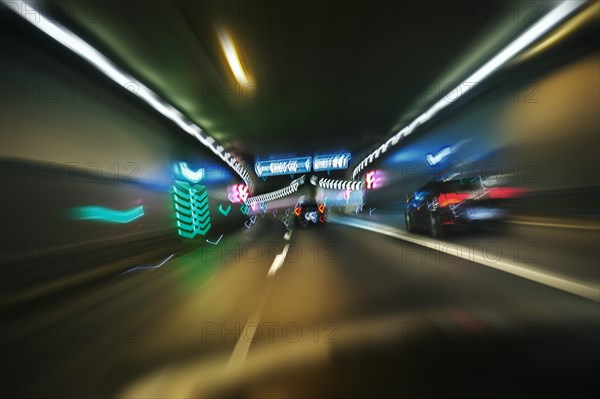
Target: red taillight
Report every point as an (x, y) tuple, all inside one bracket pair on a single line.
[(452, 198), (298, 210), (505, 192)]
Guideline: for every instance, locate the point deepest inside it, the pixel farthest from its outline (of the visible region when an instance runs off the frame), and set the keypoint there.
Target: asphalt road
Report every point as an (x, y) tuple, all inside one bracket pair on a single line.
[(345, 312)]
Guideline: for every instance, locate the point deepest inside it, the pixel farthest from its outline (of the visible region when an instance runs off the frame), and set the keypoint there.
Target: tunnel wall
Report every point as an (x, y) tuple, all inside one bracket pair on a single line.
[(71, 138), (538, 125)]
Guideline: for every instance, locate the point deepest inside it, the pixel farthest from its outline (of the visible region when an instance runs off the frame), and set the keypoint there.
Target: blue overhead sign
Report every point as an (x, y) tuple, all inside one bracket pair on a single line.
[(288, 166), (331, 162)]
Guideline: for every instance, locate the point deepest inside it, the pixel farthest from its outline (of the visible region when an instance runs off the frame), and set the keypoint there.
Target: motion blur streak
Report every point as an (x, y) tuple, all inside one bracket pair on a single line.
[(108, 215), (560, 282), (591, 12), (530, 36), (463, 263), (94, 57), (232, 55)]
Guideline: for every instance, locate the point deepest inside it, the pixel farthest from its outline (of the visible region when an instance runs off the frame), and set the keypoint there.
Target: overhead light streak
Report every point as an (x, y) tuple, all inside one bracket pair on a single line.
[(534, 33), (232, 56), (137, 88), (587, 15)]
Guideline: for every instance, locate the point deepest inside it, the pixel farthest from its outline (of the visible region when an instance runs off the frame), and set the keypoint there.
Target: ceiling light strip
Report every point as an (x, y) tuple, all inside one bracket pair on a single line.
[(540, 28), (104, 65), (274, 195)]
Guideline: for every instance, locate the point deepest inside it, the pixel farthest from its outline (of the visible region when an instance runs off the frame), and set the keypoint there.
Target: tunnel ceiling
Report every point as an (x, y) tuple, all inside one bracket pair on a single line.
[(327, 77)]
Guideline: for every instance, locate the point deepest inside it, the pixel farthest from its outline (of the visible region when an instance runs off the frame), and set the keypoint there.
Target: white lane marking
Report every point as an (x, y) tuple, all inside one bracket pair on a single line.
[(556, 225), (278, 261), (243, 345), (552, 280), (287, 235), (240, 352)]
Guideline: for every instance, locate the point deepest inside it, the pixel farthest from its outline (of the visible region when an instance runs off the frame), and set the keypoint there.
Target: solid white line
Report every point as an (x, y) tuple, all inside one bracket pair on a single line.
[(556, 225), (240, 351), (539, 276), (285, 250), (287, 235), (278, 261)]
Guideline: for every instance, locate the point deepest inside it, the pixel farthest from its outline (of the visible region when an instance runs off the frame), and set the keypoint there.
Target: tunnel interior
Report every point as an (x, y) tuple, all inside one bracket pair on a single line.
[(299, 199)]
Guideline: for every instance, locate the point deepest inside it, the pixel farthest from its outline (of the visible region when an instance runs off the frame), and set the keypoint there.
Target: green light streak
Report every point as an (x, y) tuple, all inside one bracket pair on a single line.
[(107, 215), (191, 209)]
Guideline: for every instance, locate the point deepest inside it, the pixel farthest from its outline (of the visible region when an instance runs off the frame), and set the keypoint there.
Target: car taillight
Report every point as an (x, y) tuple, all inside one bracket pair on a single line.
[(505, 192), (452, 198), (298, 210), (322, 208)]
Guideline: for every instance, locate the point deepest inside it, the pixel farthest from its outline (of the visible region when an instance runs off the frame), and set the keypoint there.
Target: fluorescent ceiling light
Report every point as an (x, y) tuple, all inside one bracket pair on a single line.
[(104, 65), (534, 33), (232, 56)]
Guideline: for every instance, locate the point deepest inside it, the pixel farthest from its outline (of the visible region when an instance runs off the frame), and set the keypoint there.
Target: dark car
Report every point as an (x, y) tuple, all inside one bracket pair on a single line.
[(310, 213), (442, 205)]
